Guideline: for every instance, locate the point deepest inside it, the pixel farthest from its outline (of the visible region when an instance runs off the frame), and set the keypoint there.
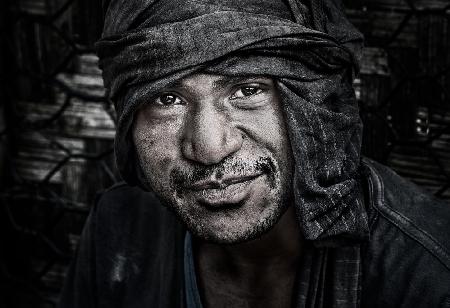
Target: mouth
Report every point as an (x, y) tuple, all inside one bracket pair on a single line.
[(227, 193)]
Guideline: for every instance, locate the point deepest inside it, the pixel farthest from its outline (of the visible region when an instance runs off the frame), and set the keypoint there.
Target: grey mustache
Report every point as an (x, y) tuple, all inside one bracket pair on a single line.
[(228, 169)]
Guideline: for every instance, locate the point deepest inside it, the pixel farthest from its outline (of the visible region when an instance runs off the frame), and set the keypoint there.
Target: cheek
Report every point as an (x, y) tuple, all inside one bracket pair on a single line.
[(268, 129), (157, 149)]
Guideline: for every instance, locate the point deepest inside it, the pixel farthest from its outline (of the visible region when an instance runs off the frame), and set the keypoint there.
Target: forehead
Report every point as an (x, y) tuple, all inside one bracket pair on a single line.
[(215, 81)]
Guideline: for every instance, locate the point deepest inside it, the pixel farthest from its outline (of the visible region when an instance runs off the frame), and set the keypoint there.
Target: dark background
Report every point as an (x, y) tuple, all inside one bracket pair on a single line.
[(57, 129)]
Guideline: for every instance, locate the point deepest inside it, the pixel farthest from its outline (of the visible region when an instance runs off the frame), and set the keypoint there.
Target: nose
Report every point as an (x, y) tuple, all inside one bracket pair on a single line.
[(210, 137)]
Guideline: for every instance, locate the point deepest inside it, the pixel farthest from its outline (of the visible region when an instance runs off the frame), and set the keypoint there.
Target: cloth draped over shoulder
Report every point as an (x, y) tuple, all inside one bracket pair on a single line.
[(311, 50)]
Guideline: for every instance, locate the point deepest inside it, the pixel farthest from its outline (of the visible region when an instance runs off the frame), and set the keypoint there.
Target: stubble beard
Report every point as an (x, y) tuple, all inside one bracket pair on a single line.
[(217, 226)]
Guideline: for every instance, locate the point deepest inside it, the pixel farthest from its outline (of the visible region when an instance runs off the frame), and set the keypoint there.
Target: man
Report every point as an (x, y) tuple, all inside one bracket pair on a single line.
[(238, 124)]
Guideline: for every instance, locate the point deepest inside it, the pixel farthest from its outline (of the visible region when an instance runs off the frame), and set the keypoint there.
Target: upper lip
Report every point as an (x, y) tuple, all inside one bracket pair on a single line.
[(221, 183)]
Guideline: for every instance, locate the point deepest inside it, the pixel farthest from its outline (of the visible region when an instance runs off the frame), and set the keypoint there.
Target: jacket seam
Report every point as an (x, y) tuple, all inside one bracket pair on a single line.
[(420, 236), (425, 239)]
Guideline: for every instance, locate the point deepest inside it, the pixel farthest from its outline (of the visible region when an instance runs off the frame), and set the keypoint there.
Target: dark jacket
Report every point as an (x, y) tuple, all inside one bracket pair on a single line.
[(131, 252)]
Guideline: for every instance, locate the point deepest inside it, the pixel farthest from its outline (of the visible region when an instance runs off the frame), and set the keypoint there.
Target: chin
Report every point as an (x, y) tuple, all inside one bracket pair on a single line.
[(233, 226), (230, 237)]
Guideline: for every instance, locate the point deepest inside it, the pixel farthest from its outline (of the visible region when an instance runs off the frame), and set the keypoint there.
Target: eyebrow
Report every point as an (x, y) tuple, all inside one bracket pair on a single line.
[(223, 81), (232, 80)]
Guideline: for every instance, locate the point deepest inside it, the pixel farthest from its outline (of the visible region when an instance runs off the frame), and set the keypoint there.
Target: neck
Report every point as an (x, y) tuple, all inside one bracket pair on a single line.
[(263, 269)]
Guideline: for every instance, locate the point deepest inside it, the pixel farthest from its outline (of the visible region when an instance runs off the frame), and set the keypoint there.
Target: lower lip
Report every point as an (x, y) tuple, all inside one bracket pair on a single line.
[(228, 197)]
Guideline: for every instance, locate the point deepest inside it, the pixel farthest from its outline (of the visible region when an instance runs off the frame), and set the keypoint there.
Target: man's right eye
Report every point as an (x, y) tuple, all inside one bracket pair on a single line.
[(168, 100)]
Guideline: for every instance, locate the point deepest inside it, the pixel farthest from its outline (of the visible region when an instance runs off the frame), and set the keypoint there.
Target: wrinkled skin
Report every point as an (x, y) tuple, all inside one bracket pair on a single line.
[(216, 151)]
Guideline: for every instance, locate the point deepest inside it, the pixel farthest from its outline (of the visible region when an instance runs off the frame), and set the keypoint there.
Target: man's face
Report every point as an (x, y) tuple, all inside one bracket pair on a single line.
[(215, 149)]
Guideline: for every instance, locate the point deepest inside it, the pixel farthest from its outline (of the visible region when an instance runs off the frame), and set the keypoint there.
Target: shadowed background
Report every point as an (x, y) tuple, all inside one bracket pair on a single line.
[(57, 128)]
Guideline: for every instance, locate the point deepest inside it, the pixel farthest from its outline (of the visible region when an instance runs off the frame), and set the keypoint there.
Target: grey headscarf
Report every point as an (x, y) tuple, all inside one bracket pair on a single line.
[(307, 46)]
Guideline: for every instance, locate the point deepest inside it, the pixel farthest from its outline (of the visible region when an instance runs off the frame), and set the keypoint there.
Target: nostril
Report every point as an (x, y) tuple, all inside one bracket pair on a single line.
[(211, 147), (210, 136)]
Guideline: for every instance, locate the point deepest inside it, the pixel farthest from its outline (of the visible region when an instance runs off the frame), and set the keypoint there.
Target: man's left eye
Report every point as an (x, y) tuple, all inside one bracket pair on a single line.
[(246, 91), (168, 100)]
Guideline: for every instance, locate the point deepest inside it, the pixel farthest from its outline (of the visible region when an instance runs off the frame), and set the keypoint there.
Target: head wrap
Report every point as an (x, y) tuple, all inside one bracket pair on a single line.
[(307, 46)]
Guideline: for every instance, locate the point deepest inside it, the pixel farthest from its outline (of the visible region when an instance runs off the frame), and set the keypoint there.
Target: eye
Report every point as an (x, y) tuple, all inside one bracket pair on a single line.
[(246, 91), (168, 100)]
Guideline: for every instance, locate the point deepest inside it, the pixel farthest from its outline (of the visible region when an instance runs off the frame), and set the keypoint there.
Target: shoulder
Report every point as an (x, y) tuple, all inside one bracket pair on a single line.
[(130, 242), (138, 242), (128, 210), (410, 208), (409, 248), (122, 194)]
